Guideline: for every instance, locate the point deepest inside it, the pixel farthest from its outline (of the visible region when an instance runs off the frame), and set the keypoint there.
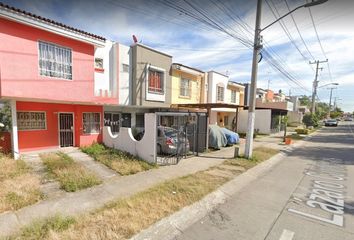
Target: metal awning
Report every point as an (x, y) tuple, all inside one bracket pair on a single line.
[(207, 105)]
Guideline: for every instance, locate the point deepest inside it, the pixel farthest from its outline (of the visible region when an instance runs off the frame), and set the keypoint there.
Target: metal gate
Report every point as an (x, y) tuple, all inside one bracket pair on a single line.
[(179, 135), (66, 129)]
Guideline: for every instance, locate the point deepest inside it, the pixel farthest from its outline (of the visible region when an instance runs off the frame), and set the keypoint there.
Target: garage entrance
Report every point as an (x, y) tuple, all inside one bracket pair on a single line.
[(179, 135)]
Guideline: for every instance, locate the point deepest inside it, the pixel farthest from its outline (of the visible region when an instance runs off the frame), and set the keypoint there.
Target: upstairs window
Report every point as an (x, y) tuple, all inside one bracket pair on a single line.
[(55, 61), (233, 96), (185, 88), (156, 82), (220, 93), (99, 63)]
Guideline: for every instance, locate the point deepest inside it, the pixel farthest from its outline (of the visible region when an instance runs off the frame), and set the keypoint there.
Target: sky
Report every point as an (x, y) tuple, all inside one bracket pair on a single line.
[(226, 46)]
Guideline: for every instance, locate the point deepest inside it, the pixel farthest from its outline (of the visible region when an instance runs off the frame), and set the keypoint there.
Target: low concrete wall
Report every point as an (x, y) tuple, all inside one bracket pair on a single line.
[(262, 121), (125, 141), (295, 117)]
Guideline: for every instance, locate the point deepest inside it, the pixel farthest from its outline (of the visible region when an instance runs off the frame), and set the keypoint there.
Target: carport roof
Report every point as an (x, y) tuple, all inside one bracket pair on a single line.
[(206, 105)]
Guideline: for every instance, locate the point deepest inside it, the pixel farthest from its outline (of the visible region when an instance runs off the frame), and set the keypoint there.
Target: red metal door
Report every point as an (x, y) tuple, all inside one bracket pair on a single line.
[(66, 129)]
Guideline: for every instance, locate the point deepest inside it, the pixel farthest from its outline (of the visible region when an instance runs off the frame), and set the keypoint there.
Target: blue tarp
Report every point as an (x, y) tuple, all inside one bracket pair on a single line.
[(232, 137)]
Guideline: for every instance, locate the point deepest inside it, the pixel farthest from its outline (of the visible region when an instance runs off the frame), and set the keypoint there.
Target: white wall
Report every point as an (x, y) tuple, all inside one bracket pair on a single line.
[(124, 79), (213, 79), (106, 81), (262, 121), (124, 140), (295, 117)]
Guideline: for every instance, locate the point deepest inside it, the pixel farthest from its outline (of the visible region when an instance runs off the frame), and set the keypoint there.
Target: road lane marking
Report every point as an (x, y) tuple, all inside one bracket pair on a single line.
[(327, 192), (287, 235)]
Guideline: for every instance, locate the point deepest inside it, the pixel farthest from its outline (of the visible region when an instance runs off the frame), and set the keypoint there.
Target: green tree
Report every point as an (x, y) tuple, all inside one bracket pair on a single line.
[(310, 120), (305, 101)]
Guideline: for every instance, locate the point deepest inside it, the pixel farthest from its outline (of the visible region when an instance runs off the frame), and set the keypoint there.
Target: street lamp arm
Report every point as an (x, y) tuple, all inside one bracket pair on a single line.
[(306, 5), (335, 84), (282, 17)]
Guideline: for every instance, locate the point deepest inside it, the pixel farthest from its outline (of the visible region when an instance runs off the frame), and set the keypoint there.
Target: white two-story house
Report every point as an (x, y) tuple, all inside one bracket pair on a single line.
[(222, 90)]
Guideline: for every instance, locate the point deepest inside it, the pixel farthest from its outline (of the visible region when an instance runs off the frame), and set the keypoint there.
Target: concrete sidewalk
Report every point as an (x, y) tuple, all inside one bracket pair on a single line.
[(71, 204)]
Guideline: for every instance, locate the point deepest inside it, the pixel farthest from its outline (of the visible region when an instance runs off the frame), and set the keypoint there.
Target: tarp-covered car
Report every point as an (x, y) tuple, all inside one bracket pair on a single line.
[(232, 137), (217, 138)]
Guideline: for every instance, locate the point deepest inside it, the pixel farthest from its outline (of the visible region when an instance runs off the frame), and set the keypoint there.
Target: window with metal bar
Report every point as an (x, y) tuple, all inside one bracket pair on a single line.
[(113, 120), (54, 60), (31, 120), (220, 93), (185, 88), (91, 122), (156, 81), (233, 96)]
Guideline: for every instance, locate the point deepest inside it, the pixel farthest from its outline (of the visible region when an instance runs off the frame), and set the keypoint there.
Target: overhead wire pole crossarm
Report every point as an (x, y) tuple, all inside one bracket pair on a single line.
[(315, 82)]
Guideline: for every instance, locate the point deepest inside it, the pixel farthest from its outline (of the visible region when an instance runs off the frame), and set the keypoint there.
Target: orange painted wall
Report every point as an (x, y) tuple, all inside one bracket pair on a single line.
[(20, 68), (49, 138), (270, 95)]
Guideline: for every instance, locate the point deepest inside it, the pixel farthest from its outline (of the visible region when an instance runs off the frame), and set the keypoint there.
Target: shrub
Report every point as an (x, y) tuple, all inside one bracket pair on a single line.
[(310, 120), (94, 149), (302, 131), (122, 162)]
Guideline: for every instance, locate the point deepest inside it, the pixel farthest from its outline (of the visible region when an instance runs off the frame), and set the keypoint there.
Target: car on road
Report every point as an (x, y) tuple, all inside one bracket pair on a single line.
[(171, 141), (331, 122), (348, 119)]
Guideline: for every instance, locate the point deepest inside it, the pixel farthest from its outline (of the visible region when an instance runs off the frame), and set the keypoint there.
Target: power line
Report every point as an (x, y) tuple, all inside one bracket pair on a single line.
[(287, 32), (297, 29), (320, 43)]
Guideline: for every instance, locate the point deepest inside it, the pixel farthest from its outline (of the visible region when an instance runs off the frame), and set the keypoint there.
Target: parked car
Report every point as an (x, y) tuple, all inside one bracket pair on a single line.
[(170, 141), (331, 122), (348, 119)]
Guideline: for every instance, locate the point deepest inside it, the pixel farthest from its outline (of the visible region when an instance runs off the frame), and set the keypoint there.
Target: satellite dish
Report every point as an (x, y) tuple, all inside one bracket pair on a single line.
[(135, 39)]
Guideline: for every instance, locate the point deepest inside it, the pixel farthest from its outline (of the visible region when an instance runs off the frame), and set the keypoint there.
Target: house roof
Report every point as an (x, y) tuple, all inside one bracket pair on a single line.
[(235, 84), (48, 21), (181, 65), (212, 71), (150, 48)]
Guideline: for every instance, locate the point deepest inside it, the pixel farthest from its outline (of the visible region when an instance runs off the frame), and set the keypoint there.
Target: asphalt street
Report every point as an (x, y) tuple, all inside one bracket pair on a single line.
[(308, 195)]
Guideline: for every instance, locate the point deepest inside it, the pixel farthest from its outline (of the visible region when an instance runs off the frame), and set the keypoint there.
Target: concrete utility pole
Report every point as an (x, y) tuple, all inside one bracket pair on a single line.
[(330, 101), (315, 84), (256, 50), (252, 103)]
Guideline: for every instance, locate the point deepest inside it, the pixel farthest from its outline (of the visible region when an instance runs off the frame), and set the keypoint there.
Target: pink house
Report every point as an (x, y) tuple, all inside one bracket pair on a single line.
[(47, 73)]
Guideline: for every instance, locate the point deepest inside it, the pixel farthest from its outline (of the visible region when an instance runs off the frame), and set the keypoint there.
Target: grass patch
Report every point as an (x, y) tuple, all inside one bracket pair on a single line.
[(71, 175), (42, 229), (259, 155), (126, 217), (295, 136), (18, 186), (122, 162)]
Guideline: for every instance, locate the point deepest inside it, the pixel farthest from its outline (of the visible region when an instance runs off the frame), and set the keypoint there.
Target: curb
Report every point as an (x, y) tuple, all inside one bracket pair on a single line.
[(170, 227)]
